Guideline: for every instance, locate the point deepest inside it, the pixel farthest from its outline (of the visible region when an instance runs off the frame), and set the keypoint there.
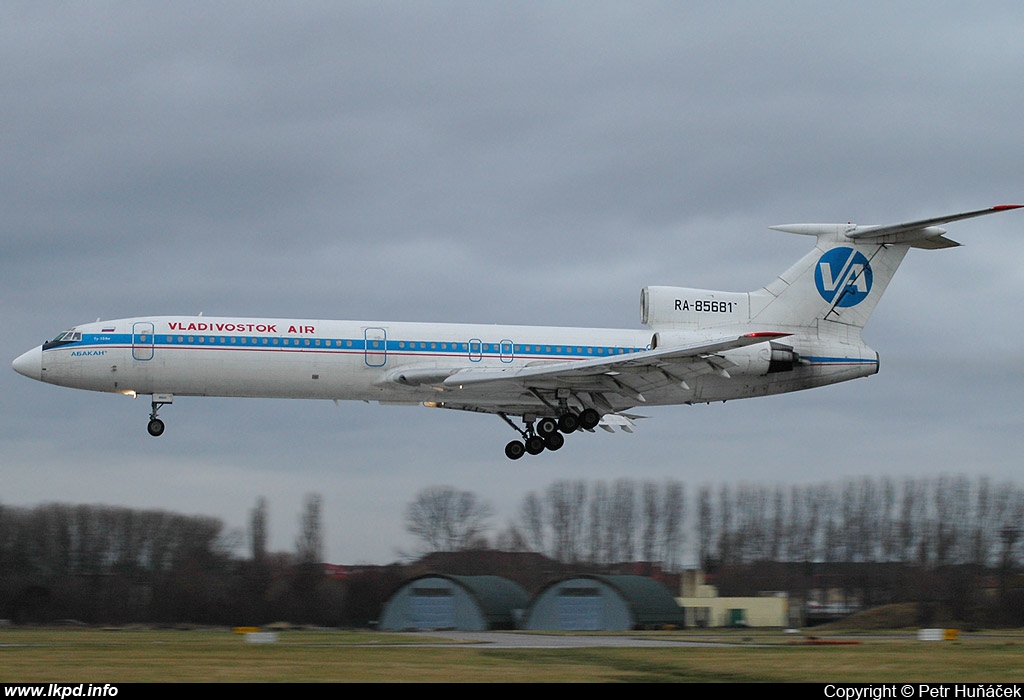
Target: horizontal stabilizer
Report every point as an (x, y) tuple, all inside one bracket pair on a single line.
[(924, 233), (924, 224)]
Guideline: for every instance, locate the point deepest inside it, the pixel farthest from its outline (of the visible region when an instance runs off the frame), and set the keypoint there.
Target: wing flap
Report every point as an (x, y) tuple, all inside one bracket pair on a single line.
[(608, 367)]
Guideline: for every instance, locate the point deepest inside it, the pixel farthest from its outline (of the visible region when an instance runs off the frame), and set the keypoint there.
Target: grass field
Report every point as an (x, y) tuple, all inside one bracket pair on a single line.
[(134, 655)]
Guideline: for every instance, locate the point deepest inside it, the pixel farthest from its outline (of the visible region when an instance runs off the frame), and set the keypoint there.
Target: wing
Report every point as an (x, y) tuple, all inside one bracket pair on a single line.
[(608, 384)]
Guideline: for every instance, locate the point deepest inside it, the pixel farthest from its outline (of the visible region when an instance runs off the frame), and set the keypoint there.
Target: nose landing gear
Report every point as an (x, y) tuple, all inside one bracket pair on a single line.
[(156, 426)]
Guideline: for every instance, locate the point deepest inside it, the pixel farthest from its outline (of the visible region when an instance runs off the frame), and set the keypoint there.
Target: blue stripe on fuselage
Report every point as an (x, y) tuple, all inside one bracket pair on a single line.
[(413, 348)]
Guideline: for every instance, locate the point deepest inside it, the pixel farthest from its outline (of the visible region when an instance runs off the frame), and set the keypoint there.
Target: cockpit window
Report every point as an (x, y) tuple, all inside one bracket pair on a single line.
[(64, 338)]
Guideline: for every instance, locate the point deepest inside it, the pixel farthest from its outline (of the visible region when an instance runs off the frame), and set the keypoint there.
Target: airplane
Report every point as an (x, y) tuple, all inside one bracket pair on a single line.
[(802, 330)]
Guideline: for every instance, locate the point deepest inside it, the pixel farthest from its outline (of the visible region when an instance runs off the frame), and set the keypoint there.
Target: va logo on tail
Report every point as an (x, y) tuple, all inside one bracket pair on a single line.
[(843, 273)]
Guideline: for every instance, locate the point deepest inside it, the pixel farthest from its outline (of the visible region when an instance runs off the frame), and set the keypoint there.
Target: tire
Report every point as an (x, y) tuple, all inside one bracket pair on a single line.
[(155, 427), (515, 449), (568, 423), (535, 444), (589, 419), (547, 426), (554, 441)]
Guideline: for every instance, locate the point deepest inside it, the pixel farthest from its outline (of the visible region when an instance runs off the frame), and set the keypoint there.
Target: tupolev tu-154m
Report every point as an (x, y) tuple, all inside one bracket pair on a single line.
[(802, 330)]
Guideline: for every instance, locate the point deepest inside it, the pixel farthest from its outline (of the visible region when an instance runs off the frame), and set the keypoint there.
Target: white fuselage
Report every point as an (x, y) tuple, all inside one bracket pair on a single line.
[(389, 362)]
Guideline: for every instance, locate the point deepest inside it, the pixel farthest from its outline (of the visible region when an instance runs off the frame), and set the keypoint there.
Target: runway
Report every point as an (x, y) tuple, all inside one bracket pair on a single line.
[(520, 640)]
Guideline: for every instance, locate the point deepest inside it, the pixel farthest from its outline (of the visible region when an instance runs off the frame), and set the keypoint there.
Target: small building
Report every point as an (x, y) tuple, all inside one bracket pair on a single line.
[(593, 602), (704, 608), (446, 602)]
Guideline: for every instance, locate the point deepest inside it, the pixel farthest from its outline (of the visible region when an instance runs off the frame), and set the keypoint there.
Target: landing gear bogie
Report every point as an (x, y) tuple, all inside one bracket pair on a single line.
[(547, 432)]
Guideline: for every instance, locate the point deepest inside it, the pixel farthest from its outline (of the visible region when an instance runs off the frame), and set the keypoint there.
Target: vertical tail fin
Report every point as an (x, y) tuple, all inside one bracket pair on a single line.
[(838, 284)]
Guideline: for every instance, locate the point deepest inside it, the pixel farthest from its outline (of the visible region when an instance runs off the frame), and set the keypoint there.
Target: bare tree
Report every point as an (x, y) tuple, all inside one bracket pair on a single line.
[(310, 544), (446, 519), (258, 531), (726, 525), (673, 513), (705, 528), (511, 539), (887, 525), (597, 514), (622, 523), (981, 527), (531, 515), (777, 533), (650, 513), (566, 502)]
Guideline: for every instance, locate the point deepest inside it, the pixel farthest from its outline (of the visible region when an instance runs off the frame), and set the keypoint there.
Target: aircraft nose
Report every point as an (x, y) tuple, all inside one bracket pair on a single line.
[(30, 364)]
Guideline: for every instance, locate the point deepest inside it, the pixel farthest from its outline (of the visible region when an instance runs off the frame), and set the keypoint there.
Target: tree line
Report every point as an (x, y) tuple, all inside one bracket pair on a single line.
[(880, 539), (930, 522), (96, 563), (569, 521)]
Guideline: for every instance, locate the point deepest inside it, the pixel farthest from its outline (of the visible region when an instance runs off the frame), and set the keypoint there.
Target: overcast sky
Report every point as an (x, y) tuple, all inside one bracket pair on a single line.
[(519, 162)]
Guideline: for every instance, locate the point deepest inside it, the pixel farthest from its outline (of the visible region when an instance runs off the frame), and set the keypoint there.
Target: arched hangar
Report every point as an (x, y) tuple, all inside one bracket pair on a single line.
[(442, 601), (592, 602)]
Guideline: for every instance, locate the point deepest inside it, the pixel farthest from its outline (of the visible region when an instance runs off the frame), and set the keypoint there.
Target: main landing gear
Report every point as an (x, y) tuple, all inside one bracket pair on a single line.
[(547, 433), (156, 426)]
